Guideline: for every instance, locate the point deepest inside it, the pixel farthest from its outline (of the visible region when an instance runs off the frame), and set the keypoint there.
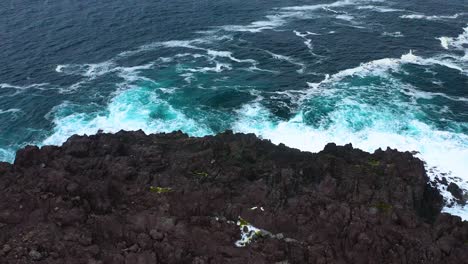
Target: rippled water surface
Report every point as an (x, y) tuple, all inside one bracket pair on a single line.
[(303, 73)]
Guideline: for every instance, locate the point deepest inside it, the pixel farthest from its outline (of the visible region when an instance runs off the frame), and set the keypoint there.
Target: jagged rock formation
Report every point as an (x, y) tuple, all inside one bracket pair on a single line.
[(168, 198)]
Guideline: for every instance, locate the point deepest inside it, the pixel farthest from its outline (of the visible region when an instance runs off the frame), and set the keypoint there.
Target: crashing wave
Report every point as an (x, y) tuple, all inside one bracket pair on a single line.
[(458, 42)]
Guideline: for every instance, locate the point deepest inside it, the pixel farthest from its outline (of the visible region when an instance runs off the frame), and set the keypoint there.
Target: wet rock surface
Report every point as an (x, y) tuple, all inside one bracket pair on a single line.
[(168, 198)]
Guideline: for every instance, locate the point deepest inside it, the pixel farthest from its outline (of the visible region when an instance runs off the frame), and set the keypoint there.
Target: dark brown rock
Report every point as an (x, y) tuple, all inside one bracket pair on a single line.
[(169, 198), (457, 193)]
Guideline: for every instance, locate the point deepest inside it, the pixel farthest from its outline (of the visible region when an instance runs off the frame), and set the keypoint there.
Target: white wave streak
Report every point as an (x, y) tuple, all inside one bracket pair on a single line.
[(39, 86), (383, 66), (345, 17), (219, 67), (415, 93), (12, 110), (130, 74), (307, 33), (212, 55), (91, 70), (432, 18), (456, 43), (288, 59), (228, 54), (307, 41), (320, 6), (188, 44), (282, 16), (380, 9), (396, 34)]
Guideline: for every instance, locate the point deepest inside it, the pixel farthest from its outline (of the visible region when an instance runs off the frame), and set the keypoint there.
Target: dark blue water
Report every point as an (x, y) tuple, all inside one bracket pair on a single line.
[(304, 73)]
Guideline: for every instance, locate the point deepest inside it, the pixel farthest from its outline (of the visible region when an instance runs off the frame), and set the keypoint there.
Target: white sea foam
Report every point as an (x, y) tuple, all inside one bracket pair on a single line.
[(383, 66), (307, 33), (271, 22), (441, 60), (255, 68), (288, 59), (432, 18), (91, 70), (59, 68), (7, 155), (307, 41), (455, 45), (19, 89), (188, 77), (415, 93), (283, 16), (461, 211), (460, 42), (228, 54), (396, 34), (39, 86), (345, 17), (320, 6), (131, 110), (132, 74), (380, 9), (219, 67), (330, 10), (11, 110), (188, 44), (445, 42)]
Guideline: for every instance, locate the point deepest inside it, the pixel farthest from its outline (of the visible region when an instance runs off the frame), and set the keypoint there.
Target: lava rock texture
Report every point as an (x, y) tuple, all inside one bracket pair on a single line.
[(168, 198)]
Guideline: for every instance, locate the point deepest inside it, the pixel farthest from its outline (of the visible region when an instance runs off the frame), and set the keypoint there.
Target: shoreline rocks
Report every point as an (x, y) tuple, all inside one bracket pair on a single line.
[(168, 198)]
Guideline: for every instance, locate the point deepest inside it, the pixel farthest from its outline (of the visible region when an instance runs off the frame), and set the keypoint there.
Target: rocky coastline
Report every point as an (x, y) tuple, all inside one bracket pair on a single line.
[(231, 198)]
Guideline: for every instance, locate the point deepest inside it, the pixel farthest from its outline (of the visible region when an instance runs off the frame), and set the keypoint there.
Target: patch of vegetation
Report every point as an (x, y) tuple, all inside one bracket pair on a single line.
[(383, 207), (158, 189), (373, 163), (242, 222), (200, 174)]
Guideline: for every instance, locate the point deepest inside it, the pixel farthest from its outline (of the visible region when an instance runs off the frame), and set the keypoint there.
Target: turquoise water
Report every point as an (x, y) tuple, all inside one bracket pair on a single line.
[(302, 73)]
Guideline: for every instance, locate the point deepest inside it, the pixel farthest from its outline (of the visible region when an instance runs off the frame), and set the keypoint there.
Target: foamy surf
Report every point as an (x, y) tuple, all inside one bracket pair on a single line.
[(457, 42), (7, 155), (133, 109)]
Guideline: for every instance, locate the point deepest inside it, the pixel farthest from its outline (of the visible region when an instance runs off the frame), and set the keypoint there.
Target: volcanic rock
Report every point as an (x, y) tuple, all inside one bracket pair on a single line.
[(169, 198)]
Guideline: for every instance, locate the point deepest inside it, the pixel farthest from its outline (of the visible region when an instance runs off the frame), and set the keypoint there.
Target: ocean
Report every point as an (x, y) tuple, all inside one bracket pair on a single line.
[(376, 74)]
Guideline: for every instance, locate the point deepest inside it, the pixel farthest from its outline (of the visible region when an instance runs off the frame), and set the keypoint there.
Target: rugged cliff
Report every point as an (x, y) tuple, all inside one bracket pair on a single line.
[(168, 198)]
